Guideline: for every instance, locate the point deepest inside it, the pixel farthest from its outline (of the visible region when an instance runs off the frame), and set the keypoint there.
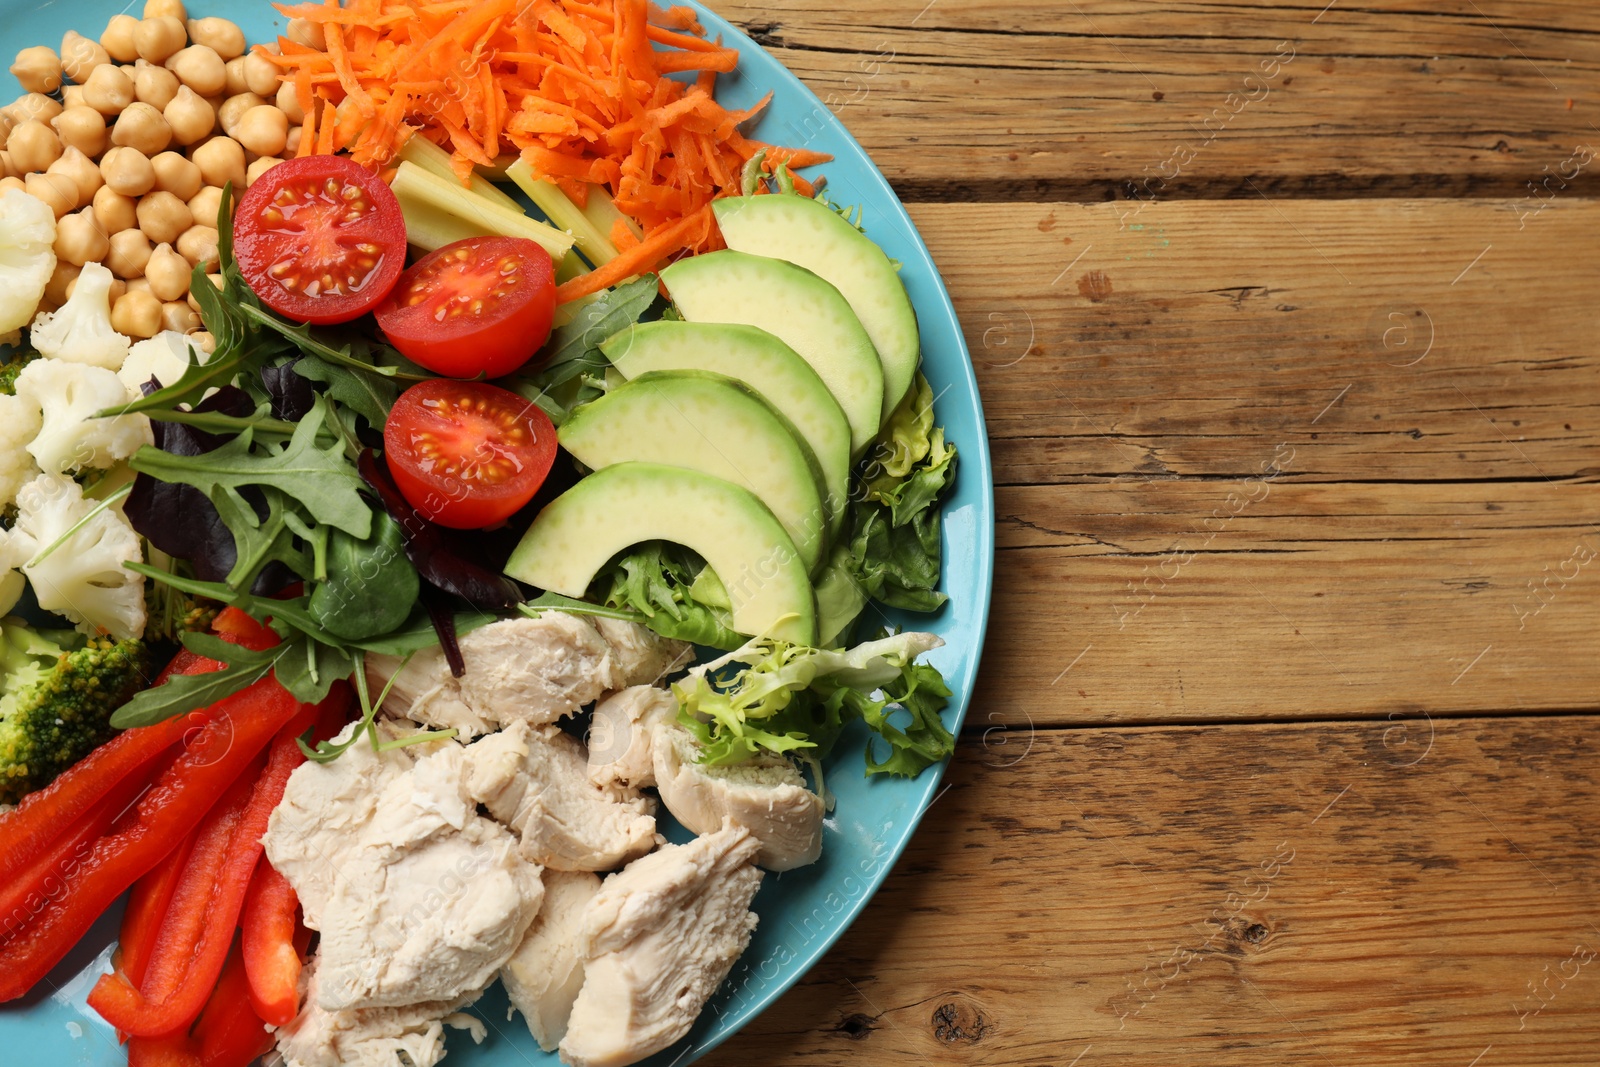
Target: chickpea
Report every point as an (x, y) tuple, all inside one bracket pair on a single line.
[(80, 240), (206, 205), (115, 211), (33, 106), (291, 141), (55, 290), (307, 33), (163, 216), (139, 285), (38, 69), (82, 128), (80, 56), (8, 169), (56, 190), (264, 130), (178, 317), (81, 171), (33, 146), (142, 127), (224, 38), (108, 90), (130, 251), (190, 117), (72, 96), (260, 76), (7, 123), (203, 340), (221, 160), (154, 85), (200, 69), (236, 79), (233, 109), (198, 246), (159, 39), (168, 273), (154, 9), (127, 171), (137, 314), (289, 104), (176, 175), (11, 181), (120, 38), (258, 168)]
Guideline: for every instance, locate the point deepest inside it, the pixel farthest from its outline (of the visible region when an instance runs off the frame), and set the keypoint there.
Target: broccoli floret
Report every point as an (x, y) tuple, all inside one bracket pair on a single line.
[(13, 367), (59, 693)]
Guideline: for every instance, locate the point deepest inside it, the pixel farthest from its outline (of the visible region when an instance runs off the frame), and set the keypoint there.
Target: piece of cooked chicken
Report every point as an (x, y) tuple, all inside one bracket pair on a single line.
[(374, 1037), (544, 975), (324, 810), (659, 937), (620, 735), (566, 821), (434, 899), (523, 670), (767, 796)]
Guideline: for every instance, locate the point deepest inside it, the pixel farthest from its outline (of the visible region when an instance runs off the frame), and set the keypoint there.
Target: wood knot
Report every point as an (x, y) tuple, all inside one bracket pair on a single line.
[(856, 1027), (1255, 933), (959, 1021)]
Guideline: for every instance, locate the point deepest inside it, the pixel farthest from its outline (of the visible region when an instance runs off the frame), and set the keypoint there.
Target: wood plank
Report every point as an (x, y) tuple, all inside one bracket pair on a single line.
[(1230, 895), (1389, 340), (1161, 600), (1102, 99)]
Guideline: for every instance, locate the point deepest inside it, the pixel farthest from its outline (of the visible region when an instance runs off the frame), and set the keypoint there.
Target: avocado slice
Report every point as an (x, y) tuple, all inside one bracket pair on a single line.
[(615, 508), (802, 311), (810, 234), (762, 362), (709, 423)]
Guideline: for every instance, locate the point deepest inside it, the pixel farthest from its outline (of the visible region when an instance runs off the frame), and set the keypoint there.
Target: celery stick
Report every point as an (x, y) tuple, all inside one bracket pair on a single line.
[(435, 160), (429, 228), (601, 211), (412, 182), (594, 244)]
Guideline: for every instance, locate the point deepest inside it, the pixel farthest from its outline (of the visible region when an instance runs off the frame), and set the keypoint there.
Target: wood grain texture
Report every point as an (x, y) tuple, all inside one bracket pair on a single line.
[(1384, 340), (1101, 99), (1350, 893)]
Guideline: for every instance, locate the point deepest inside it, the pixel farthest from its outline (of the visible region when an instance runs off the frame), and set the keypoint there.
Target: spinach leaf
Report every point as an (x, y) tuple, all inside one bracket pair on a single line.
[(370, 585)]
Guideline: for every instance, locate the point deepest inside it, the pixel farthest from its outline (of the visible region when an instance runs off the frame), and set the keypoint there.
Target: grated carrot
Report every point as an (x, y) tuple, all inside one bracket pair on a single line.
[(579, 88)]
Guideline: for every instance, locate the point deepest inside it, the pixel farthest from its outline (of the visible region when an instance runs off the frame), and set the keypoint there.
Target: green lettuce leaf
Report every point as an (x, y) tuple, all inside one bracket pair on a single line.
[(658, 581)]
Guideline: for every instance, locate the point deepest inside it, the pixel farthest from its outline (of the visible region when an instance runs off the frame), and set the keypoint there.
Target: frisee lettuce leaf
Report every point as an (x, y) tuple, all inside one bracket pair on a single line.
[(771, 697), (658, 581)]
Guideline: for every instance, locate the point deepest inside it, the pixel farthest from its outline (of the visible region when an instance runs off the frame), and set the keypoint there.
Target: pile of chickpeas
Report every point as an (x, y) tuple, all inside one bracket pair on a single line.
[(131, 139)]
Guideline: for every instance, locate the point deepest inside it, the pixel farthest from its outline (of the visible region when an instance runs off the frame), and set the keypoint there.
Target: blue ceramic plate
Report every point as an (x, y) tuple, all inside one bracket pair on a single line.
[(804, 911)]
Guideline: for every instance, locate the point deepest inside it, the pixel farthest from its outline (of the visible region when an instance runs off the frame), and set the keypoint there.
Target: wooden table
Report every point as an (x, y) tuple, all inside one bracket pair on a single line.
[(1285, 318)]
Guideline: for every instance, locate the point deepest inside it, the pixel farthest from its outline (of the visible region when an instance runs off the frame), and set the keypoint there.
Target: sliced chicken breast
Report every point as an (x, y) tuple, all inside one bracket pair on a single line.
[(766, 796), (544, 976), (620, 736), (566, 822), (375, 1037), (659, 937)]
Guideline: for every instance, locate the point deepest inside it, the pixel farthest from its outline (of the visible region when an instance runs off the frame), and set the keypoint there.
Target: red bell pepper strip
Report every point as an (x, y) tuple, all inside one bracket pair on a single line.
[(193, 943), (268, 927), (238, 728), (37, 886), (230, 1033), (36, 824), (146, 909), (173, 1050)]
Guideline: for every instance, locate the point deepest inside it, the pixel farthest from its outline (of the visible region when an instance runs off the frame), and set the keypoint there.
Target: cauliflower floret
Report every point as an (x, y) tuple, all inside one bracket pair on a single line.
[(80, 332), (82, 578), (27, 258), (67, 394), (163, 357), (19, 422), (13, 554)]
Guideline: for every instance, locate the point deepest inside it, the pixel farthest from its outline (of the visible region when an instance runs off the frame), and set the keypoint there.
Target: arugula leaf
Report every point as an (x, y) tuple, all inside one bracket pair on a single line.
[(183, 693), (343, 348), (308, 669), (258, 539), (321, 480), (556, 602), (655, 581), (368, 395), (573, 372)]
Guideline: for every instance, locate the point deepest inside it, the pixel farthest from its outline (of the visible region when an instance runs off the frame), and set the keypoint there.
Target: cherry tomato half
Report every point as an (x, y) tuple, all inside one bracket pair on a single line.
[(320, 239), (478, 306), (465, 454)]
